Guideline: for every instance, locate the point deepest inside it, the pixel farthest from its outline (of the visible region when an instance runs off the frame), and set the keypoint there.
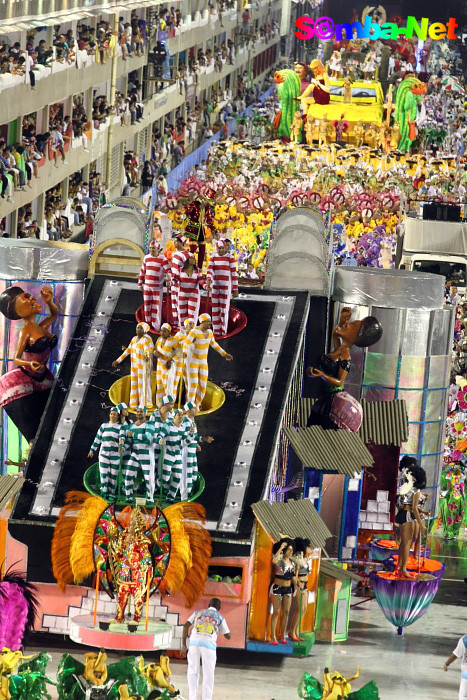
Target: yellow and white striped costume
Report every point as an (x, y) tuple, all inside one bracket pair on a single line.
[(139, 350), (196, 348), (162, 373)]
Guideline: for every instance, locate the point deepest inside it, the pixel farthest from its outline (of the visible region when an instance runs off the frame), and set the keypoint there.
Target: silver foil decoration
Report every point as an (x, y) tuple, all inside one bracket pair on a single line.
[(38, 260)]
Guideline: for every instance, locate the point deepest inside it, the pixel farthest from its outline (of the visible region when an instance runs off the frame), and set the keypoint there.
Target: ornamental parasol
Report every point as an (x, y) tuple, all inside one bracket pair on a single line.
[(384, 549), (402, 601), (452, 84)]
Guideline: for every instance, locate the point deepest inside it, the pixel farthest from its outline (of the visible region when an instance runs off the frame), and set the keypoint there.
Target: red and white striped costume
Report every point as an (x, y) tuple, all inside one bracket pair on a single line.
[(222, 273), (151, 278), (178, 260), (189, 295)]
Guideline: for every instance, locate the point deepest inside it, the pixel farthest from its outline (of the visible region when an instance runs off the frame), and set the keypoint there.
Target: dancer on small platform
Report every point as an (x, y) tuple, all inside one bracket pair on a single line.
[(222, 283), (197, 345), (163, 362), (154, 271), (140, 351), (141, 437), (109, 441), (412, 480), (176, 266)]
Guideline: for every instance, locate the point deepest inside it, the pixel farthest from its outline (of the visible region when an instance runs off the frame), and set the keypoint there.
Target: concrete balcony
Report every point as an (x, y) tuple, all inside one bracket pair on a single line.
[(20, 99)]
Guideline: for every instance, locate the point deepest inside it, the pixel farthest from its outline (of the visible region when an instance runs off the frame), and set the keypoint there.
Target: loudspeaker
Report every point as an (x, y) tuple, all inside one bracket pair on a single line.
[(441, 212)]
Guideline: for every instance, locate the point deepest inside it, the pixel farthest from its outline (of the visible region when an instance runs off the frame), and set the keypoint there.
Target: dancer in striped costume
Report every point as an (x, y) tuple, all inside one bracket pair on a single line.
[(173, 466), (141, 436), (176, 266), (222, 283), (162, 419), (140, 351), (174, 350), (163, 362), (154, 270), (190, 448), (197, 346), (189, 296), (109, 441)]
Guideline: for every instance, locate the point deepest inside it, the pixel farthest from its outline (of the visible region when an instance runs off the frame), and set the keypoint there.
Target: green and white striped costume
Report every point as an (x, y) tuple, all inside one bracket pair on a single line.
[(161, 429), (172, 471), (189, 457), (107, 441), (141, 457)]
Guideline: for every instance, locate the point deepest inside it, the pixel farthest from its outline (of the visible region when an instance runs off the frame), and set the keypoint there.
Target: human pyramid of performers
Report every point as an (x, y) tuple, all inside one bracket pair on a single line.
[(163, 441)]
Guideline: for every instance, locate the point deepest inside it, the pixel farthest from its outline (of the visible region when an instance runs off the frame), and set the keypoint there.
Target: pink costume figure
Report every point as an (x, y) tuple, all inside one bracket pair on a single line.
[(341, 126), (151, 282), (178, 260), (222, 283), (189, 296)]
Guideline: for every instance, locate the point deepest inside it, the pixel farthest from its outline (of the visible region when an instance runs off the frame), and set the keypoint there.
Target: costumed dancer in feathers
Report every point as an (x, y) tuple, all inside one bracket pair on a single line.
[(163, 363), (411, 525), (141, 436), (18, 610), (280, 594), (179, 258), (140, 351), (338, 409), (190, 449), (195, 351), (190, 281), (221, 283), (173, 349), (452, 504), (132, 567), (153, 272), (109, 440)]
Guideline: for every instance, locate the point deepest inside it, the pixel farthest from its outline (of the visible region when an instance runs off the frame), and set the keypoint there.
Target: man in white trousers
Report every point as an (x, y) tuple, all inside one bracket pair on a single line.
[(460, 652), (206, 626)]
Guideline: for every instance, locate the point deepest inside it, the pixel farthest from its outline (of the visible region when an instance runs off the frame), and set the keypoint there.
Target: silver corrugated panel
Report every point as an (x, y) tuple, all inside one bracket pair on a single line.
[(327, 568), (394, 289), (39, 260), (330, 450), (9, 487), (384, 422), (293, 519)]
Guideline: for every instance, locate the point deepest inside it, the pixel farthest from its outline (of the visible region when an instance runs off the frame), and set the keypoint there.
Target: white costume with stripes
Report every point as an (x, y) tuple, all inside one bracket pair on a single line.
[(196, 347), (107, 441), (140, 351), (151, 278), (189, 295), (176, 266), (222, 273)]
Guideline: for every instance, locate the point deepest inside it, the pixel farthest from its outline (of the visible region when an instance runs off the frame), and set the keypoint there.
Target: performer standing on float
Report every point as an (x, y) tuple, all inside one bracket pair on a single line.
[(153, 272), (140, 351), (172, 468), (280, 595), (141, 436), (303, 562), (173, 349), (189, 450), (179, 258), (163, 363), (109, 441), (221, 283), (190, 281), (161, 419), (197, 344)]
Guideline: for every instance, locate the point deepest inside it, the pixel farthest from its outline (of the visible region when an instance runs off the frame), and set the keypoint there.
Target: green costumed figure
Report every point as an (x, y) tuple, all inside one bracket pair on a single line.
[(335, 687), (409, 95), (288, 89), (452, 504)]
